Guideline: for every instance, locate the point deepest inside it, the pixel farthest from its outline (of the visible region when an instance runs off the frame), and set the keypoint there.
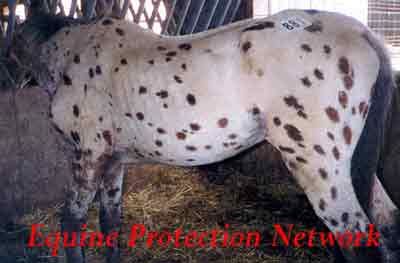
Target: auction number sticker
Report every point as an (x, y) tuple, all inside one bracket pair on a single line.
[(295, 23)]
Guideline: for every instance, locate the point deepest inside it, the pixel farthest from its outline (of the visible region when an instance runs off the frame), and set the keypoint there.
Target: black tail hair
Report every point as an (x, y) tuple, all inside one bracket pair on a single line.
[(368, 153)]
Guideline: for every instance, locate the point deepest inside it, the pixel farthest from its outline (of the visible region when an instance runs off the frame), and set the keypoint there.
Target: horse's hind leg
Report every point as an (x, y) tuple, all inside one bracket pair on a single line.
[(386, 215), (111, 205), (325, 178)]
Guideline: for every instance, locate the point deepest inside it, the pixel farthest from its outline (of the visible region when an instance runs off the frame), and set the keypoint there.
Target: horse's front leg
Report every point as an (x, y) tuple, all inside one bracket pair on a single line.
[(111, 206), (81, 193)]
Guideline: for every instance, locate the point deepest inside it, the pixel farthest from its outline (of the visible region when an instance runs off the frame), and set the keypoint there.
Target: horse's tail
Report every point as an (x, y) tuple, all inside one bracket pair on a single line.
[(368, 156), (28, 40)]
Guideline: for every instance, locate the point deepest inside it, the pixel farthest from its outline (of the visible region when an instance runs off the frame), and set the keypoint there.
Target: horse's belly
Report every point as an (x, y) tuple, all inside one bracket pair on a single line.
[(188, 141)]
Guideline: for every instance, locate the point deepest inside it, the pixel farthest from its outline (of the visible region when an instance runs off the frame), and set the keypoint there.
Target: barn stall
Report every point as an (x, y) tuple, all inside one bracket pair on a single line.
[(250, 192)]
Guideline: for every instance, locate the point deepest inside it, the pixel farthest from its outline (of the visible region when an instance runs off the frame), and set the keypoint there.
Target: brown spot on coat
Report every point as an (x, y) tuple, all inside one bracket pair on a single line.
[(293, 132), (191, 148), (124, 61), (333, 114), (323, 173), (107, 22), (319, 149), (181, 136), (306, 48), (322, 204), (161, 131), (75, 110), (348, 82), (98, 70), (277, 121), (343, 99), (171, 54), (163, 94), (223, 123), (178, 79), (246, 46), (334, 192), (191, 99), (344, 65), (318, 74), (327, 49), (158, 143), (260, 26), (255, 111), (291, 101), (67, 80), (185, 46), (362, 106), (142, 90), (336, 153), (306, 82), (232, 136), (77, 59), (286, 149), (195, 127), (347, 134), (301, 159), (120, 31), (140, 116), (107, 137), (334, 222)]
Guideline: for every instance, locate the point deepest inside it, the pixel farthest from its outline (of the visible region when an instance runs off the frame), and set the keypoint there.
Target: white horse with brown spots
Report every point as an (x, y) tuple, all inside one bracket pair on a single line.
[(308, 82)]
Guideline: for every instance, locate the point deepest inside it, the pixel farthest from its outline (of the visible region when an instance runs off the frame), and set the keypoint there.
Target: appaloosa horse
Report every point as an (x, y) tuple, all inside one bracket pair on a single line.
[(316, 85)]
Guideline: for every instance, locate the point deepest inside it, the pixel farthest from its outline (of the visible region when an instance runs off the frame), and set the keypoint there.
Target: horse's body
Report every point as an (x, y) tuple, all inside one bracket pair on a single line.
[(302, 80)]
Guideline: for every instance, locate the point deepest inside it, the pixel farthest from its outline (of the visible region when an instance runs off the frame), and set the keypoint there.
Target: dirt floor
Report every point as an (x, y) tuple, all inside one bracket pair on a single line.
[(248, 193)]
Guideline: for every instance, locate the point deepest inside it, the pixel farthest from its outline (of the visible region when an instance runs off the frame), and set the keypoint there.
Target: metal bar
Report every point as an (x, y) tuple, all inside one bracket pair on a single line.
[(235, 10), (46, 7), (170, 14), (172, 27), (132, 12), (12, 5), (139, 12), (181, 22), (61, 7), (115, 8), (72, 9), (199, 9), (89, 10), (222, 18), (125, 7), (53, 6), (211, 15), (156, 5)]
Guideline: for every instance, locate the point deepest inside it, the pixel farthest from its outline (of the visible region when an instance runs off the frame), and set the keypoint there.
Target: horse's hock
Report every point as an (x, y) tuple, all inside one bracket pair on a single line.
[(33, 161)]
